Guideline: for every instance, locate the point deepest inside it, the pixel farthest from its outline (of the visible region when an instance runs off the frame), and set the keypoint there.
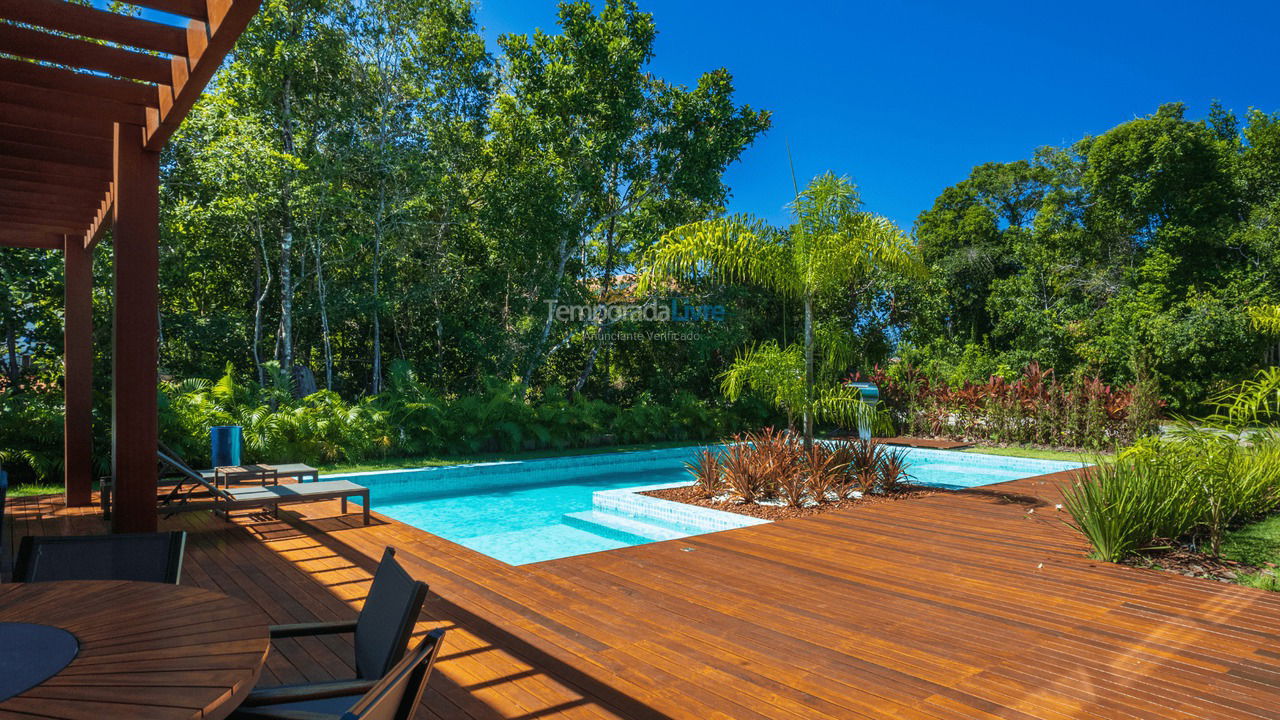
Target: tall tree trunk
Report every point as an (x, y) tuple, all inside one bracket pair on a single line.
[(606, 284), (286, 235), (535, 356), (808, 373), (322, 297), (259, 297), (376, 382)]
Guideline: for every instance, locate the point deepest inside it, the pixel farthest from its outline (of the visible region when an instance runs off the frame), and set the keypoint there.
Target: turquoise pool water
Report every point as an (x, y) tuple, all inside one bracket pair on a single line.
[(530, 511)]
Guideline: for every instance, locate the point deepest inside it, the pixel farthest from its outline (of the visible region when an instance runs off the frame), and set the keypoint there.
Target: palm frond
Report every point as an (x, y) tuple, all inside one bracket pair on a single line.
[(773, 372), (732, 249)]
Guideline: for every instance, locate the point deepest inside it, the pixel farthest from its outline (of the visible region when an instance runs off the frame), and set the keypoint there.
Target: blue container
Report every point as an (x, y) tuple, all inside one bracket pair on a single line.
[(224, 445)]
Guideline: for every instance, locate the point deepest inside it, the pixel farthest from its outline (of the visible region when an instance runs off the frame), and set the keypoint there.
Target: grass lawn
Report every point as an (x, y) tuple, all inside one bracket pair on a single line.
[(1257, 544), (1037, 453), (396, 463), (29, 489)]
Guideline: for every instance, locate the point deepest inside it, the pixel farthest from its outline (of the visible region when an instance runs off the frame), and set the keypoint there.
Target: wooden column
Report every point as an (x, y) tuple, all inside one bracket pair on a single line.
[(135, 328), (77, 423)]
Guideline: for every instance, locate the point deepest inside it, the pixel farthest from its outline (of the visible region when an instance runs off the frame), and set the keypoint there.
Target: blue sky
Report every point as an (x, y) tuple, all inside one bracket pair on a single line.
[(906, 97)]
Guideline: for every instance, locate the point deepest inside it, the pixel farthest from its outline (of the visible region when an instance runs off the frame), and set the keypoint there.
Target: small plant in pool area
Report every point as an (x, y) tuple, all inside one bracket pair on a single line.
[(708, 475), (743, 475), (792, 481), (774, 467), (892, 470), (825, 468)]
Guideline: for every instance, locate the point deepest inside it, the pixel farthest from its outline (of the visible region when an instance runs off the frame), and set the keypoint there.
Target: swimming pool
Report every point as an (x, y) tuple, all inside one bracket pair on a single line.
[(528, 511)]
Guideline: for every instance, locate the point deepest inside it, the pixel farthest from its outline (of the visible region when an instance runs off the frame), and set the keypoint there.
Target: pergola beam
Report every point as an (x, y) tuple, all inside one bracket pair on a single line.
[(39, 226), (52, 154), (193, 9), (62, 192), (18, 211), (63, 80), (66, 103), (33, 240), (92, 147), (29, 117), (69, 182), (53, 169), (100, 24), (37, 45)]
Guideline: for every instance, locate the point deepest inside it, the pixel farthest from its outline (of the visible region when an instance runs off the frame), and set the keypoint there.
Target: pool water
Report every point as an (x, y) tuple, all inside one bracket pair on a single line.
[(536, 510), (520, 524)]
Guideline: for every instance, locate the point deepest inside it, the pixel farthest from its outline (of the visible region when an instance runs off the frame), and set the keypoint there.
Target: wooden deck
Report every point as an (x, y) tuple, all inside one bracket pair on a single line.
[(958, 606)]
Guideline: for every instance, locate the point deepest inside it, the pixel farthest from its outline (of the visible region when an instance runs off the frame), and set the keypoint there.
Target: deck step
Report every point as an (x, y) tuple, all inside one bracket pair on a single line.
[(620, 528)]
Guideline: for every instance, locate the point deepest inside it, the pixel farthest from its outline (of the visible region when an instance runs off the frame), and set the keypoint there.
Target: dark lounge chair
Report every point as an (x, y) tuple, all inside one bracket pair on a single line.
[(382, 631), (195, 492), (176, 473), (394, 697), (149, 557)]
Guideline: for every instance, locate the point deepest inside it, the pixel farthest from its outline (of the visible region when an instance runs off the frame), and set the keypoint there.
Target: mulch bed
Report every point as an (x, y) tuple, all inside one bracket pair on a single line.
[(1185, 561), (689, 495)]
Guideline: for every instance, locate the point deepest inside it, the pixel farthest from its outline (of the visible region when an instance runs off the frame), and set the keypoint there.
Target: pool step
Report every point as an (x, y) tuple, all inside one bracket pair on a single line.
[(620, 528)]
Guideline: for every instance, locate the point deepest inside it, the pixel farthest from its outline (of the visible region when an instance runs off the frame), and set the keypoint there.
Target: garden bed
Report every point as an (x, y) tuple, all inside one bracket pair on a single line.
[(1185, 561), (691, 495)]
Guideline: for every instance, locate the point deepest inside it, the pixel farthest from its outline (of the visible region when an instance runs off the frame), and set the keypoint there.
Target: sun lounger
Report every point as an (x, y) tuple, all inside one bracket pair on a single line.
[(176, 474), (198, 493)]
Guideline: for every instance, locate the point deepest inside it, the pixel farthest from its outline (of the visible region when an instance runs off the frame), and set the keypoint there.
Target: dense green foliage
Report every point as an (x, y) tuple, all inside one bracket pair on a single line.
[(1135, 251), (409, 418), (1191, 486)]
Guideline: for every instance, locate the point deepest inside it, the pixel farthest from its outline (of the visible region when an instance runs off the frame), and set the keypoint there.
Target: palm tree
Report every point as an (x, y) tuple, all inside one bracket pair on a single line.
[(832, 246)]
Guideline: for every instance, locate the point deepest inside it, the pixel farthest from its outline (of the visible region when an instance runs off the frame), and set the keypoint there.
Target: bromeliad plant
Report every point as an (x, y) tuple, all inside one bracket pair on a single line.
[(708, 474), (772, 465), (832, 247)]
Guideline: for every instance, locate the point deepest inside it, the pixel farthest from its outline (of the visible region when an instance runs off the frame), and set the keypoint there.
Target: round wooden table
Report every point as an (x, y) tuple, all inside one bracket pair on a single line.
[(146, 650)]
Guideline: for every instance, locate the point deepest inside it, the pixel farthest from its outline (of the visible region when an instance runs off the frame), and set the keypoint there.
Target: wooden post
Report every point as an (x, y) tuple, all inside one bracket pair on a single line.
[(77, 423), (134, 356)]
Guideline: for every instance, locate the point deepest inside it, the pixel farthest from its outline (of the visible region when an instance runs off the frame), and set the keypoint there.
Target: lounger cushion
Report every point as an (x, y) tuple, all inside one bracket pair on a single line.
[(267, 493)]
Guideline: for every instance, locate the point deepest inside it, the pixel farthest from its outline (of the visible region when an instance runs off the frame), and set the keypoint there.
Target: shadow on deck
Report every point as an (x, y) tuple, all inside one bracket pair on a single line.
[(972, 604)]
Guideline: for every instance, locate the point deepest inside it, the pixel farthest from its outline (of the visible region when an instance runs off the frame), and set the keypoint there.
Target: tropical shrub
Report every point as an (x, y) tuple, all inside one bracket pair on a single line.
[(825, 468), (743, 475), (1035, 407), (708, 475), (1189, 487), (893, 470), (772, 464)]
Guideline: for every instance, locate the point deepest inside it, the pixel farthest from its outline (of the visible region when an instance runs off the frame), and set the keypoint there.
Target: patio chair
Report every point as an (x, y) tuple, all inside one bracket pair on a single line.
[(382, 631), (394, 697), (195, 492), (149, 557)]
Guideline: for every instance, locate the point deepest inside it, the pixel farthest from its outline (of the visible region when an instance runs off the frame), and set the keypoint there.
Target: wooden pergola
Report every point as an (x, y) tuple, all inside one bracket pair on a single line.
[(88, 98)]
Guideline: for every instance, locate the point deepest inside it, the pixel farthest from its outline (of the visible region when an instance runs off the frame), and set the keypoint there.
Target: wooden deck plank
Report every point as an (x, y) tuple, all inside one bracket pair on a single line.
[(975, 604)]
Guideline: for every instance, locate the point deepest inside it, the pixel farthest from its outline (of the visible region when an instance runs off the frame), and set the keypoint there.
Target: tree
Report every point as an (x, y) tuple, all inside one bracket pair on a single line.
[(603, 155), (832, 246)]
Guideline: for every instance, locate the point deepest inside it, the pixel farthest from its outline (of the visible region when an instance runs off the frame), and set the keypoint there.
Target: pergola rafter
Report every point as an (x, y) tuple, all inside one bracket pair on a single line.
[(88, 98)]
